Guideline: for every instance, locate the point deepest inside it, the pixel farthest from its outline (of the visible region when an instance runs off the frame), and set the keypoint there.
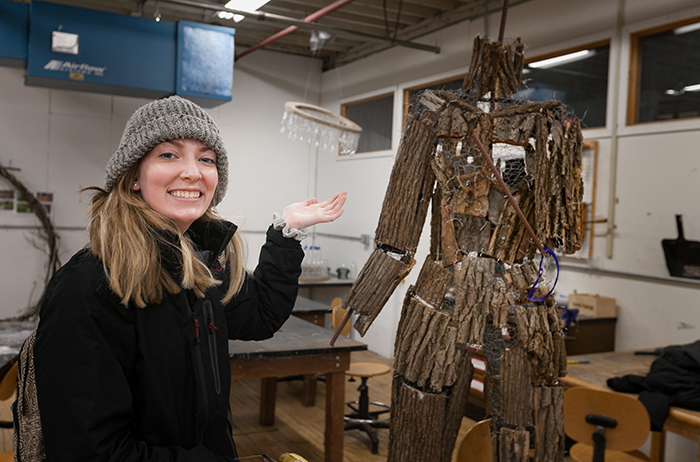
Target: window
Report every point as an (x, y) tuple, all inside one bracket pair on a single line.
[(576, 77), (665, 73), (375, 116)]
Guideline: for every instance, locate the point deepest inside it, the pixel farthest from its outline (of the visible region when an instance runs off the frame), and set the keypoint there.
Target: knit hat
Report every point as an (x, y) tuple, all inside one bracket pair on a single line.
[(163, 120)]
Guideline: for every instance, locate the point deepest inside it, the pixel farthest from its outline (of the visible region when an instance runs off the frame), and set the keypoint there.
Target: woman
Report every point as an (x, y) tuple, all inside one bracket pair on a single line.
[(131, 352)]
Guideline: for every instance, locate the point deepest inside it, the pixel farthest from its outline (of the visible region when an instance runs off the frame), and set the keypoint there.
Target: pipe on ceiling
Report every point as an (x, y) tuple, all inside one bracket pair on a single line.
[(306, 23)]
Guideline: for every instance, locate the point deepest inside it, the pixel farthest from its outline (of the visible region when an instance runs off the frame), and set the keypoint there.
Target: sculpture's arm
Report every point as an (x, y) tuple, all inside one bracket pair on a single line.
[(401, 221)]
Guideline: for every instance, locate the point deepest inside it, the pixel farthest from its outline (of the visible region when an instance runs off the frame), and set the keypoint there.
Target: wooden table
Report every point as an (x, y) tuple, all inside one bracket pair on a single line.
[(311, 311), (299, 348), (603, 366)]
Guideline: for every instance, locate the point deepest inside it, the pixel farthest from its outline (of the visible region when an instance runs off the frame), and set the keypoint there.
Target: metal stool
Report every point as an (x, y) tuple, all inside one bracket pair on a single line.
[(362, 418)]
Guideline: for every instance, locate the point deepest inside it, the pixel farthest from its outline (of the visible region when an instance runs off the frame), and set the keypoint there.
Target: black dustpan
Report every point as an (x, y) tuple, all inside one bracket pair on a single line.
[(682, 257)]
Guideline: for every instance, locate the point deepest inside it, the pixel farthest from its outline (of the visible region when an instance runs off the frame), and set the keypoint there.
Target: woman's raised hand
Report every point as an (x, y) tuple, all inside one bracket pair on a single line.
[(310, 212)]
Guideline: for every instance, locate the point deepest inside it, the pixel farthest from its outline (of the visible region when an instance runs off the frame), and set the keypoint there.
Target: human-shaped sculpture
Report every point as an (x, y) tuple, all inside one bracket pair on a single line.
[(473, 292)]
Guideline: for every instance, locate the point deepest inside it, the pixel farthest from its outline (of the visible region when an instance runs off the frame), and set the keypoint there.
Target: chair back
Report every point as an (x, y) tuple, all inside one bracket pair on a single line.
[(8, 385), (633, 425), (476, 445), (338, 314)]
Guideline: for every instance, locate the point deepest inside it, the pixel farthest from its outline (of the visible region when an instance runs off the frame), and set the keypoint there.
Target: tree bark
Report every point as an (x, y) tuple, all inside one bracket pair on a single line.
[(473, 293), (424, 425), (513, 445), (374, 285), (425, 348), (549, 424), (410, 186)]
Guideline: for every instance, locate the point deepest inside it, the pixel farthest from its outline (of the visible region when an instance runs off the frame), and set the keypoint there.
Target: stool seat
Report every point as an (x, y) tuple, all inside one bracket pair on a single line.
[(367, 369)]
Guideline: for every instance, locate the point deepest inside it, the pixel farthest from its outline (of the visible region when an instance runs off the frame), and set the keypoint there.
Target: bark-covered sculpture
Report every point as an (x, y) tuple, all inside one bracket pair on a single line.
[(472, 289)]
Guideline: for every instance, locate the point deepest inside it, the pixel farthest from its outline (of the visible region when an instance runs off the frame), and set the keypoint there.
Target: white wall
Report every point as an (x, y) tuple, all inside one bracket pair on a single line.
[(657, 169), (61, 141)]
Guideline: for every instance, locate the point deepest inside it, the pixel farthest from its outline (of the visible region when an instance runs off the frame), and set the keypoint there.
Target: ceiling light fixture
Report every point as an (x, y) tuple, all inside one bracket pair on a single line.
[(156, 15), (563, 59), (240, 5), (319, 39), (685, 29), (229, 15), (246, 5)]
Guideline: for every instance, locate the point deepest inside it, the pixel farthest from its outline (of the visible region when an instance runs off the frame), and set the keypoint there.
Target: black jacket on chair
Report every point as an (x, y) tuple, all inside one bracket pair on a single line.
[(673, 380), (125, 384)]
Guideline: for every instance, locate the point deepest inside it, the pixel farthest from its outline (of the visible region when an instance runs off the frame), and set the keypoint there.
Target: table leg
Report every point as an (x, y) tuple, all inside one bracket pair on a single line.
[(658, 446), (268, 396), (310, 390), (335, 408)]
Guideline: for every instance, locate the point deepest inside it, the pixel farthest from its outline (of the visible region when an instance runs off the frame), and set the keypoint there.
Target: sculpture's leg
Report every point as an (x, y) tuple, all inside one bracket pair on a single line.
[(524, 366), (432, 372)]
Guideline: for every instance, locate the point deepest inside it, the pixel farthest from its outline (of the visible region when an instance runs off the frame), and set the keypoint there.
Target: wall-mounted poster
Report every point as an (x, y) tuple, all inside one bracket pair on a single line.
[(44, 198), (7, 200)]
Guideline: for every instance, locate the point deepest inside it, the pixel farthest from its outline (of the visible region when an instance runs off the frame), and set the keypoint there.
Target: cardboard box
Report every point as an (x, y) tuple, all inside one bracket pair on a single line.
[(593, 306)]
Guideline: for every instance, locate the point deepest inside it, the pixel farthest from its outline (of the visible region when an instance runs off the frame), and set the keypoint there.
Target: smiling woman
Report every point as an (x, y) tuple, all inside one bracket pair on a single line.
[(131, 352), (177, 178)]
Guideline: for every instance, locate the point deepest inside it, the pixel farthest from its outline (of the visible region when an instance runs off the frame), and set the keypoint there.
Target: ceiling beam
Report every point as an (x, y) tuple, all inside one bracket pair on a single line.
[(444, 5), (344, 18), (358, 8), (465, 12), (306, 25)]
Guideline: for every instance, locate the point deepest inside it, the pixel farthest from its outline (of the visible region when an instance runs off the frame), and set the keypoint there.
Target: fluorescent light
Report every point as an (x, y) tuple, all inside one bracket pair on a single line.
[(672, 92), (563, 59), (686, 29), (246, 5), (229, 15)]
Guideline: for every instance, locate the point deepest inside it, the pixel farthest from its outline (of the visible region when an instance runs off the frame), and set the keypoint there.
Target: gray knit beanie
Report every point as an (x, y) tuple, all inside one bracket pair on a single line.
[(163, 120)]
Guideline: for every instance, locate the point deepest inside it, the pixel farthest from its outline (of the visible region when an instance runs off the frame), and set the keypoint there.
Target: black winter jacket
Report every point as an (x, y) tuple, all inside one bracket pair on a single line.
[(130, 384), (673, 380)]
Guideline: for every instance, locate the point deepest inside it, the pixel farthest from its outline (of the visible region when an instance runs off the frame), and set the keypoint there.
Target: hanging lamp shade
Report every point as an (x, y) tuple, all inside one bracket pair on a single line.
[(314, 124)]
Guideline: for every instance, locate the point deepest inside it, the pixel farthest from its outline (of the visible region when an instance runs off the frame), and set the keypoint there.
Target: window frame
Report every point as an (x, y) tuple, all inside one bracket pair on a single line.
[(383, 93), (634, 75)]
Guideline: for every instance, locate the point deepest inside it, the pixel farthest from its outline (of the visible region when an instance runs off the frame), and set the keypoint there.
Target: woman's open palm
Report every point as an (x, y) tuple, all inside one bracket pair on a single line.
[(310, 212)]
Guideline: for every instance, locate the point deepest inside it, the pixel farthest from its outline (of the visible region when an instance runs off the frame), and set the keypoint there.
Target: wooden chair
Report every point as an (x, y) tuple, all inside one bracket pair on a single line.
[(608, 426), (8, 387), (476, 445), (362, 418)]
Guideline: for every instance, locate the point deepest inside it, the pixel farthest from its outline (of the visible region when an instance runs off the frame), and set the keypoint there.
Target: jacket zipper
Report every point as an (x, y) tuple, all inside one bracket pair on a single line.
[(200, 370), (209, 315)]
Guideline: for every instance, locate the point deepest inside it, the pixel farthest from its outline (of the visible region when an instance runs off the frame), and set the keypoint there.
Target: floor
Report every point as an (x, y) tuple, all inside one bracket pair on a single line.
[(300, 429)]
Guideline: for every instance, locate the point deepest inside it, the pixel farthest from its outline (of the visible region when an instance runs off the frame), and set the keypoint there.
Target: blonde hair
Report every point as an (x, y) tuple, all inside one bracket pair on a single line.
[(128, 237)]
